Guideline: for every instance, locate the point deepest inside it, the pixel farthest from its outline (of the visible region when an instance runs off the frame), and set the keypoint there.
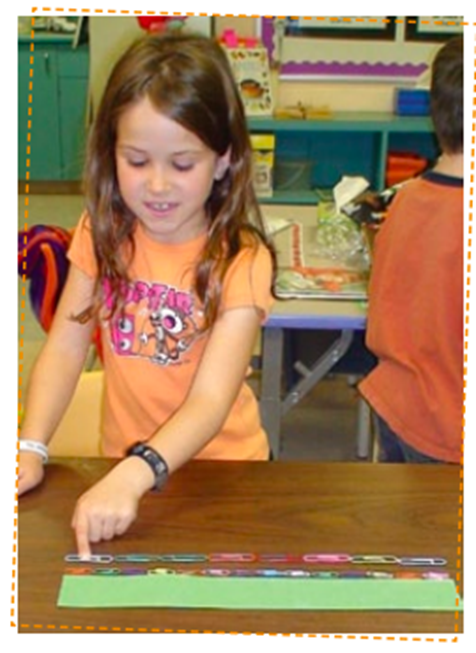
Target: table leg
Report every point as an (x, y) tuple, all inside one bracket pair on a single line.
[(364, 436), (310, 377), (270, 396)]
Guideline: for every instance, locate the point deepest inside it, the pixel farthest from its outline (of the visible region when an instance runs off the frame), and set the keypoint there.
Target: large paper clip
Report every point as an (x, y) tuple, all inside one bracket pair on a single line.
[(135, 557), (375, 560), (327, 558), (284, 558), (232, 557), (101, 558), (183, 557), (422, 562)]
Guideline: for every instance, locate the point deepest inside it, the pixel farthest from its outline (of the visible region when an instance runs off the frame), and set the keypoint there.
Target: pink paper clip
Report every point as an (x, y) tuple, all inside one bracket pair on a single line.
[(232, 557), (327, 558), (216, 573)]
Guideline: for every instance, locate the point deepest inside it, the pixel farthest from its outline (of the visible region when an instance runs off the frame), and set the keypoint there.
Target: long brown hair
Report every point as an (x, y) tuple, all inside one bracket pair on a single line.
[(189, 80)]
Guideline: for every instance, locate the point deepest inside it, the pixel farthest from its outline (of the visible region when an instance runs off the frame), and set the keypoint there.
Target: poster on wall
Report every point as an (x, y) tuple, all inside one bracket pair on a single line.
[(360, 48)]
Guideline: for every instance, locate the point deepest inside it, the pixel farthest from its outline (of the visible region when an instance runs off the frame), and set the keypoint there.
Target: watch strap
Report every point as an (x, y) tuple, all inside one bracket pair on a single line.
[(154, 460)]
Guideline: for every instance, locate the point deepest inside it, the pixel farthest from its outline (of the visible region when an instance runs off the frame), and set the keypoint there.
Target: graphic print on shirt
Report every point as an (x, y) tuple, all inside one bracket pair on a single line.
[(157, 323)]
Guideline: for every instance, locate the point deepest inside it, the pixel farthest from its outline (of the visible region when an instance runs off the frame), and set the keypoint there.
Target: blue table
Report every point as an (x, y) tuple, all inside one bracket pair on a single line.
[(342, 315)]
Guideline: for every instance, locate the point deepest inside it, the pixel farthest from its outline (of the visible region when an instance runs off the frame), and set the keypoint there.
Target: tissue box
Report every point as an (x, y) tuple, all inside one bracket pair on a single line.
[(412, 102)]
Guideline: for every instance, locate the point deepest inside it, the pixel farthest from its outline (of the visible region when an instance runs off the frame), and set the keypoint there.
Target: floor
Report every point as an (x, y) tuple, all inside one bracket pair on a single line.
[(323, 425)]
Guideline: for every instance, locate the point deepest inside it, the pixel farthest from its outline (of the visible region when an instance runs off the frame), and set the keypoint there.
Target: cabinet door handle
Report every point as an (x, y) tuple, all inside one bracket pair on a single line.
[(46, 60)]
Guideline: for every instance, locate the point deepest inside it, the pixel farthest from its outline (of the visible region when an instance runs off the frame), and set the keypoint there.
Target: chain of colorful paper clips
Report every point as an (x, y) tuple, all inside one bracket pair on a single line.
[(270, 558)]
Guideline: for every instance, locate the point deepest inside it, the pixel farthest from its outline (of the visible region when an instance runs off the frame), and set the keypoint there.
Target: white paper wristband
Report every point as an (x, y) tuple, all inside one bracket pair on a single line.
[(35, 447)]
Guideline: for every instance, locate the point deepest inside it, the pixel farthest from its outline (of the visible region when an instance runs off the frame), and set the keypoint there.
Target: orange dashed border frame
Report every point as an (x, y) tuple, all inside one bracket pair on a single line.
[(89, 629)]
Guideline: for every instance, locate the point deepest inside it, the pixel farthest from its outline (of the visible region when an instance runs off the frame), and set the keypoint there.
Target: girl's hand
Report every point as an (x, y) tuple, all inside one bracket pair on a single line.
[(110, 506), (31, 471)]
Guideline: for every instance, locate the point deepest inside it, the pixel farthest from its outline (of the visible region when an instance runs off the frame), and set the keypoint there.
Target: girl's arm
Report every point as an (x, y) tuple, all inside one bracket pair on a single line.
[(214, 389), (111, 505), (56, 372)]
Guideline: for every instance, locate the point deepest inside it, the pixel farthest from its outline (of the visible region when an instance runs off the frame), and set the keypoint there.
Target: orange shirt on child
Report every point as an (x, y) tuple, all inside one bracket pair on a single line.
[(152, 353), (415, 320)]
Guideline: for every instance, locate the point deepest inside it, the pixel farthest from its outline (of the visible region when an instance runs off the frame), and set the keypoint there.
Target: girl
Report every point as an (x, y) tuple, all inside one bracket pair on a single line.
[(170, 259)]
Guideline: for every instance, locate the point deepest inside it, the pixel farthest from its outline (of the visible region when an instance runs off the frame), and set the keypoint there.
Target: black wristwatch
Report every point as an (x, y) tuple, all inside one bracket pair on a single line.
[(154, 460)]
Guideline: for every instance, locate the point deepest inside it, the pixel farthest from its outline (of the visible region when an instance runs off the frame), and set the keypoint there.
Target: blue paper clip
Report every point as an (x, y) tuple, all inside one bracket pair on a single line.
[(101, 558), (422, 562), (135, 557)]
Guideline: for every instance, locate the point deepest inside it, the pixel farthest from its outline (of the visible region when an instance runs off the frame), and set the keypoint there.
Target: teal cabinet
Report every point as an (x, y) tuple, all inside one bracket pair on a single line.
[(52, 109), (343, 144)]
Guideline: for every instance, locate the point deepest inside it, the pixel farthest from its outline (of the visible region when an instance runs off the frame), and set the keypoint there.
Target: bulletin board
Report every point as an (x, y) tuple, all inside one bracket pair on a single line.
[(358, 48)]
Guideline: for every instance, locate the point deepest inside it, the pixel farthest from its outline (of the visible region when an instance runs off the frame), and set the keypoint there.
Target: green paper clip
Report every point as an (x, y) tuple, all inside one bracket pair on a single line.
[(375, 560), (183, 557), (107, 571)]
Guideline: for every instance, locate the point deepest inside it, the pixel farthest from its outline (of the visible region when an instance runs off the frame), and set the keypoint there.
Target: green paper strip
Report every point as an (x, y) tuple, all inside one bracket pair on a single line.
[(182, 591)]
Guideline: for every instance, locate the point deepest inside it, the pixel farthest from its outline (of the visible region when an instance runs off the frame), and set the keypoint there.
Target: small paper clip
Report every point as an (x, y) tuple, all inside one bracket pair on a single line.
[(380, 575), (422, 562), (232, 557), (101, 558), (269, 573), (107, 571), (435, 575), (161, 571), (328, 558), (296, 573), (79, 571), (133, 571), (218, 573), (407, 575), (324, 574), (375, 560)]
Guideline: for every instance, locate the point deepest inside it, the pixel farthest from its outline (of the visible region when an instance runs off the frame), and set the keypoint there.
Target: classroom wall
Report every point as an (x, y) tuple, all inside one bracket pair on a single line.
[(338, 96), (110, 35)]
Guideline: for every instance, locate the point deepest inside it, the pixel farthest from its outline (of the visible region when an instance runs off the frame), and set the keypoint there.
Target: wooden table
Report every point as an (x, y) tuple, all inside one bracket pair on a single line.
[(278, 507)]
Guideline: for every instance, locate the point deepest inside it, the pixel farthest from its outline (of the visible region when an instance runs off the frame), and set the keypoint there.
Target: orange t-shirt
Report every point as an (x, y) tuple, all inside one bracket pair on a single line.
[(152, 353), (415, 320)]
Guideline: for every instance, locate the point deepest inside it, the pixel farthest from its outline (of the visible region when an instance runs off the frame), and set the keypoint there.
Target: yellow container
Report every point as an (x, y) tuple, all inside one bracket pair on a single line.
[(263, 163)]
